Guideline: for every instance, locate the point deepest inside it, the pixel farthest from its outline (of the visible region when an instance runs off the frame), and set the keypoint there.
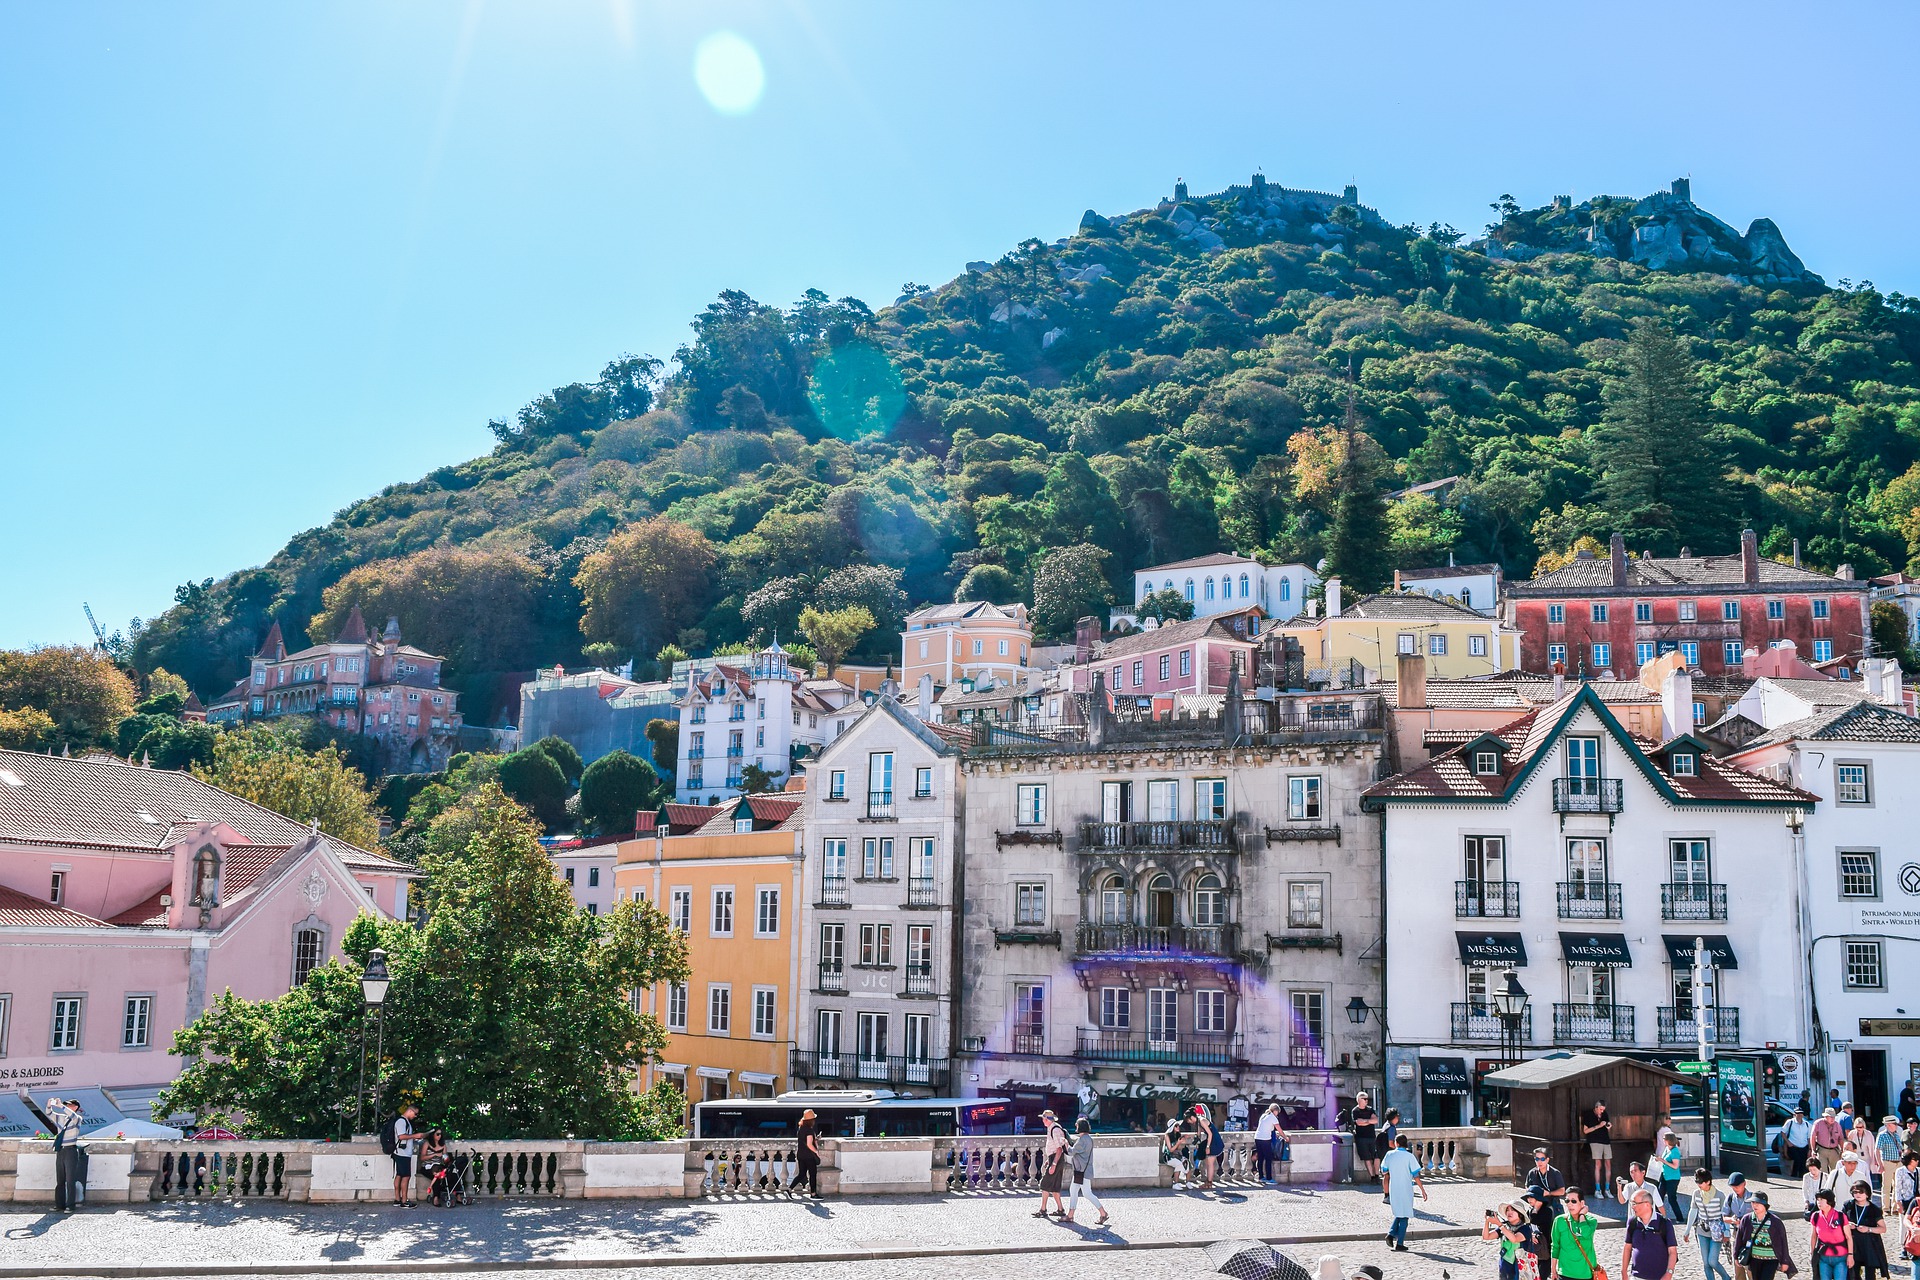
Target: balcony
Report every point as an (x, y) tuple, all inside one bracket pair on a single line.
[(1307, 1053), (1678, 1026), (1693, 900), (734, 753), (1588, 899), (1107, 837), (870, 1069), (833, 978), (833, 891), (1593, 1023), (1092, 939), (1486, 899), (1192, 1050), (1586, 795), (919, 979), (880, 804), (1034, 1042), (922, 892), (1473, 1022)]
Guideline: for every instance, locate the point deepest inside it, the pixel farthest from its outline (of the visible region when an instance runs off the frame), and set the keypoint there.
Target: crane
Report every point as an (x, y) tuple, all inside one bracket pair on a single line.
[(99, 632)]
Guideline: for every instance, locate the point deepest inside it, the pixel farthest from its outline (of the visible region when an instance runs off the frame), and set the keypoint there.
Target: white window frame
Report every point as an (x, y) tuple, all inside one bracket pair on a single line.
[(1855, 795), (766, 911), (64, 1033), (1030, 804), (766, 1005), (680, 908), (1822, 610), (1602, 656), (1557, 654), (720, 1009), (1306, 904), (1030, 903), (1210, 1011), (6, 1020), (1556, 613), (1871, 873), (922, 782), (1116, 1008), (136, 1021), (1436, 644), (1304, 798), (1476, 646), (1210, 799), (1689, 611), (677, 999), (1486, 763)]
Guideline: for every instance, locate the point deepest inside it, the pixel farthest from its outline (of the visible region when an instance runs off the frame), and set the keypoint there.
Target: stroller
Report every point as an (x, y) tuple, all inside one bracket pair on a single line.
[(449, 1178)]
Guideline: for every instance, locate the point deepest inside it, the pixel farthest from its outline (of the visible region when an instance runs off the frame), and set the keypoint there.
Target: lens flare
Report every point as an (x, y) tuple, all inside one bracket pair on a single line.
[(855, 391), (729, 73)]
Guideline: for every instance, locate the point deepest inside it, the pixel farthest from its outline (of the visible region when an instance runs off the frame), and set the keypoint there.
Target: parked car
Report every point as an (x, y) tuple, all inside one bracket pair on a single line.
[(1683, 1109)]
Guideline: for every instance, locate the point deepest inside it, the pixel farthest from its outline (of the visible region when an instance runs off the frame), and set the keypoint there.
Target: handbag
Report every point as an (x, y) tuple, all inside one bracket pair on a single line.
[(1599, 1272)]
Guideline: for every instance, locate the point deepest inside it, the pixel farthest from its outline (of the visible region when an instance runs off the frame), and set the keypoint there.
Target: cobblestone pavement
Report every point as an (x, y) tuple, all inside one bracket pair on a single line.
[(1346, 1221)]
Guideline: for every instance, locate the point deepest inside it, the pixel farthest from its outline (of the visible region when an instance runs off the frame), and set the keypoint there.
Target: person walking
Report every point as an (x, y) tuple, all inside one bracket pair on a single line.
[(807, 1154), (1400, 1177), (1910, 1137), (1796, 1141), (1830, 1242), (1081, 1157), (1707, 1218), (1739, 1203), (1597, 1129), (1570, 1246), (1208, 1144), (1840, 1180), (1053, 1166), (1760, 1242), (1267, 1137), (66, 1117), (1866, 1236), (1365, 1123), (1671, 1158), (1827, 1137), (1650, 1252), (1908, 1105), (1519, 1242), (1887, 1148), (1906, 1183)]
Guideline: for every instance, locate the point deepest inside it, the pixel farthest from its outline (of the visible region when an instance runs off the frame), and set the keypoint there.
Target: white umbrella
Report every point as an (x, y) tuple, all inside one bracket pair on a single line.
[(128, 1127)]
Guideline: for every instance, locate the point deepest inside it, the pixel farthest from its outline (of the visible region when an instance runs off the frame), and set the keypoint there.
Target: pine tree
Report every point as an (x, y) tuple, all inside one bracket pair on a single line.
[(1357, 545), (1663, 478)]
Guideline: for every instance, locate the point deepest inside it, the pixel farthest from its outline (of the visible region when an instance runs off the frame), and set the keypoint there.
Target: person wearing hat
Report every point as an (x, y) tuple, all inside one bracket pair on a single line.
[(1053, 1166), (1886, 1148), (1516, 1234), (808, 1156), (1539, 1213), (1827, 1137), (66, 1117), (1796, 1140), (1737, 1204), (1760, 1242)]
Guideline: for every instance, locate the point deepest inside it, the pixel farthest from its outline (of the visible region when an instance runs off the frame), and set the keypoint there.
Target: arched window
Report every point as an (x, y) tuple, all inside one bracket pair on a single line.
[(1113, 901), (1160, 901), (206, 877), (1189, 588), (1243, 586), (1209, 901), (1146, 590), (1286, 589), (308, 947), (1209, 588)]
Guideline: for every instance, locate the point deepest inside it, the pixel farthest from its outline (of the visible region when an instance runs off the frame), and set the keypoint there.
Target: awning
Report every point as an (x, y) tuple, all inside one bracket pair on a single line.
[(758, 1077), (1492, 950), (1445, 1075), (1719, 951), (1609, 949), (712, 1073)]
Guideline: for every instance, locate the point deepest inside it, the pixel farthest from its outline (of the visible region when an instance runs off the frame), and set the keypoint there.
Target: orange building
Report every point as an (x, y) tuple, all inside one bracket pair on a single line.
[(728, 876), (973, 640)]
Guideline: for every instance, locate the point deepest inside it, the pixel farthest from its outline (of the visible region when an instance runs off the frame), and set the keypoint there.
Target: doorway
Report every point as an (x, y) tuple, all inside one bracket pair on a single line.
[(1870, 1085), (1439, 1110)]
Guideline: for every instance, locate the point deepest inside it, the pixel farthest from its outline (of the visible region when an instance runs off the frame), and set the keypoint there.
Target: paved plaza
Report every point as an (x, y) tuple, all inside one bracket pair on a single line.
[(1154, 1235)]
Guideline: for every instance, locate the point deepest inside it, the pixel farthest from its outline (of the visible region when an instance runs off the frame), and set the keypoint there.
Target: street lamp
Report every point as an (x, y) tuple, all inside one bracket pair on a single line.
[(374, 981), (1510, 1003)]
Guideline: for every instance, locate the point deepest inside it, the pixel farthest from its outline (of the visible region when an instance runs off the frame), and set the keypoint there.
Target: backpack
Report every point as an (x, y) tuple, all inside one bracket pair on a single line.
[(1831, 1229), (389, 1135)]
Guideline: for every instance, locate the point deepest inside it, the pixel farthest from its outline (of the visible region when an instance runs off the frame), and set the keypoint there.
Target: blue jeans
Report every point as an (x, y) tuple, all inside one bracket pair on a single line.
[(1834, 1268), (1398, 1233), (1710, 1259)]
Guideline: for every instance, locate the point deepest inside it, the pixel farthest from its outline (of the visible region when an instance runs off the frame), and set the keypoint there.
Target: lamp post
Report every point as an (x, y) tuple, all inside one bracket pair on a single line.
[(374, 981), (1510, 1003), (1357, 1012)]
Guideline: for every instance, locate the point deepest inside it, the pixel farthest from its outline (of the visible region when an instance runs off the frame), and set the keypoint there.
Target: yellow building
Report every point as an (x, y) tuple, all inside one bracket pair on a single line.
[(1369, 635), (728, 876), (973, 640)]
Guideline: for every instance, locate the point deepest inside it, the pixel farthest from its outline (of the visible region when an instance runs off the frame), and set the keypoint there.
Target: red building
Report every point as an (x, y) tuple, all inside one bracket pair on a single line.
[(1620, 613), (1195, 657)]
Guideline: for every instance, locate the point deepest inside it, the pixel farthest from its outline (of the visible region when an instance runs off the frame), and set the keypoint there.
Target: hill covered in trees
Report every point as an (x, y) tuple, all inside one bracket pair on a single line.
[(1155, 386)]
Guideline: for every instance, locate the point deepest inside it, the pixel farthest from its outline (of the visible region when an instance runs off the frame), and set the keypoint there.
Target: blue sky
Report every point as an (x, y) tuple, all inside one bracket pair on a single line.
[(262, 260)]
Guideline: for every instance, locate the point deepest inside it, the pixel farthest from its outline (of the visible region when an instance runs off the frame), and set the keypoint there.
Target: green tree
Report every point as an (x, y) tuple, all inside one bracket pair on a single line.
[(564, 754), (651, 580), (479, 608), (756, 781), (80, 690), (1889, 628), (993, 583), (834, 632), (26, 729), (175, 744), (873, 587), (664, 737), (270, 765), (536, 780), (1166, 604), (1357, 545), (509, 1010), (1420, 531), (1070, 584), (616, 787)]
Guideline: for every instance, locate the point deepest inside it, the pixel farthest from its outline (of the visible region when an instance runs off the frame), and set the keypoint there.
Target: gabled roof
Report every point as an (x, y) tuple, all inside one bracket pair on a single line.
[(769, 813), (1448, 778), (963, 611), (942, 740), (1717, 573), (1858, 722), (18, 909), (687, 817), (273, 646), (1174, 633), (354, 629), (1411, 606), (149, 914), (1202, 562), (1452, 571)]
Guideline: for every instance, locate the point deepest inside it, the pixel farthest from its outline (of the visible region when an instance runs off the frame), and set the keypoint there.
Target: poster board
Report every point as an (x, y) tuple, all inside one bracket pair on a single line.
[(1742, 1110)]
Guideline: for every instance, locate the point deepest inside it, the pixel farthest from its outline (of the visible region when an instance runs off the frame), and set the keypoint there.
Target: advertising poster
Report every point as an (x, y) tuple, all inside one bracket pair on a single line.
[(1740, 1105)]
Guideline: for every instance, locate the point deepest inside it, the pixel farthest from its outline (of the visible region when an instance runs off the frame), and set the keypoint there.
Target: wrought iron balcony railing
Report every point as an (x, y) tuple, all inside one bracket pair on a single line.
[(833, 891), (1678, 1026), (1693, 900), (1486, 899), (1193, 1049), (1160, 940), (879, 804), (1477, 1021), (833, 977), (870, 1069), (922, 892), (1586, 795), (1105, 836), (1588, 899), (1593, 1023)]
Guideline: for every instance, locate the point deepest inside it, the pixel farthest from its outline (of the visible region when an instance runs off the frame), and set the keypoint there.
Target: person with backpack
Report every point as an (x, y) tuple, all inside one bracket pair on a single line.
[(1830, 1242), (396, 1139), (1706, 1217), (1760, 1242), (1053, 1161)]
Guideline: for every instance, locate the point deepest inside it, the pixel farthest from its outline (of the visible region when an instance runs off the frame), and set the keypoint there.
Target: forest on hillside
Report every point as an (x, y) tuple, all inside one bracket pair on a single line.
[(1155, 386)]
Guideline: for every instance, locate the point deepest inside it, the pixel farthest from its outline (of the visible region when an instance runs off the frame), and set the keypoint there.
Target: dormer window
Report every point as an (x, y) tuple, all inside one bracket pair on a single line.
[(743, 826), (1486, 762), (1685, 764)]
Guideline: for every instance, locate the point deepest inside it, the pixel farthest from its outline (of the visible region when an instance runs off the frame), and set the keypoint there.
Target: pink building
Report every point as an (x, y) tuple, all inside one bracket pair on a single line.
[(130, 898), (1181, 657), (381, 688)]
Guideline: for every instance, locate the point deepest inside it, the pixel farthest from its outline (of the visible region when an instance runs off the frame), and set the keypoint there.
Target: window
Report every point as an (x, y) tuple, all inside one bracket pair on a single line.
[(833, 947), (826, 1034), (1163, 1016), (136, 1029), (1486, 762), (1730, 611), (307, 946), (1860, 874), (1476, 646), (1643, 652), (681, 910), (920, 858), (837, 785), (1556, 613), (1557, 655), (1003, 648), (1029, 1017), (1689, 611), (1699, 712), (1864, 971), (593, 877), (1730, 652), (1210, 1011), (1029, 903), (1306, 906), (1407, 643), (743, 825), (719, 1009), (979, 648), (1243, 586), (923, 782), (723, 912), (1823, 651), (1684, 764), (1210, 799), (1186, 662), (1307, 1038), (66, 1022), (1303, 798), (57, 892), (1209, 901), (919, 953), (1286, 589), (6, 1011), (1188, 590), (1643, 611), (1166, 666), (1032, 804), (876, 858), (880, 777), (567, 875), (1690, 652), (1776, 610), (1691, 861), (1602, 656), (1139, 672), (1820, 609), (1852, 786), (1436, 644), (1599, 612), (1209, 588), (766, 912), (1114, 908), (1116, 1008), (763, 1013)]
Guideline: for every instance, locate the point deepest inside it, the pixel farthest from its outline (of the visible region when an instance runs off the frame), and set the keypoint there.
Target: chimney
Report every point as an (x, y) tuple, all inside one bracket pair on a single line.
[(925, 707), (1686, 553), (1749, 661), (1559, 680), (1749, 557), (1396, 581), (1876, 682), (1412, 692), (1333, 597), (1086, 634), (1617, 546), (1676, 702), (1844, 572), (1313, 608), (1796, 553)]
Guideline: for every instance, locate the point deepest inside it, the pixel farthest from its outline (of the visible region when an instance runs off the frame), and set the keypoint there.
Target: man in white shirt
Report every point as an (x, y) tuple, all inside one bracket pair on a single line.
[(1266, 1141)]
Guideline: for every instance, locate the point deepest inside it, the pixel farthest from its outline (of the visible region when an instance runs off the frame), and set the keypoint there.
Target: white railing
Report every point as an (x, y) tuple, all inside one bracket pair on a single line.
[(747, 1166)]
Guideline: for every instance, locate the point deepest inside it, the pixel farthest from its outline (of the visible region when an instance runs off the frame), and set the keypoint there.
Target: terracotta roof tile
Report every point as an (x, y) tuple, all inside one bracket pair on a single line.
[(18, 909)]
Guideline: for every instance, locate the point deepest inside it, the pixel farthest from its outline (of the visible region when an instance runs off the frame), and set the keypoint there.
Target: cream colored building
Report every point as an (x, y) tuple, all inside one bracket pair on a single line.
[(1361, 642), (985, 643)]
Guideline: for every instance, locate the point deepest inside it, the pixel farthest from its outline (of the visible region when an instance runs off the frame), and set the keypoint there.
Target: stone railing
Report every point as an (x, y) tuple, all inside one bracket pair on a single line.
[(349, 1172)]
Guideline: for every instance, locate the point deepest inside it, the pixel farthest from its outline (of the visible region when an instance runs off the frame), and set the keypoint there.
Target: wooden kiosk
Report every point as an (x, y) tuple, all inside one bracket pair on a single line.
[(1551, 1096)]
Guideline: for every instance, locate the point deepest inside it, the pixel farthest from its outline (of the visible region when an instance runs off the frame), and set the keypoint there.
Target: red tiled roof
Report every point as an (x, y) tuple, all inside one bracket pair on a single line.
[(17, 909), (149, 912), (685, 817), (646, 823)]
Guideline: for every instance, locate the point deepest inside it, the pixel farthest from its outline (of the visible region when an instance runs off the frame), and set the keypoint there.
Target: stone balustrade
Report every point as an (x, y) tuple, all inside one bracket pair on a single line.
[(347, 1172)]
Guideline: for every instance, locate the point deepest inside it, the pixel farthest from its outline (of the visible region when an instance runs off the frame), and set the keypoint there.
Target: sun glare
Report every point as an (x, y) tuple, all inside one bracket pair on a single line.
[(729, 73)]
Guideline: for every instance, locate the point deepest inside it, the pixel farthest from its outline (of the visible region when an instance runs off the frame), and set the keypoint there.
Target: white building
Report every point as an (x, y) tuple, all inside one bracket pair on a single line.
[(882, 817), (1587, 861), (1223, 582), (588, 875), (1476, 586), (762, 713), (1860, 882)]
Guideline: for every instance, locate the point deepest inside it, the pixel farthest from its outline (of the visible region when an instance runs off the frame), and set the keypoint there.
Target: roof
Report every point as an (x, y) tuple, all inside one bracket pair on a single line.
[(18, 909), (1857, 722), (1518, 693), (1544, 1073), (1201, 562), (127, 806), (1452, 571), (1449, 777), (1823, 693), (1718, 573), (770, 813), (148, 913), (687, 817), (354, 629), (272, 645), (1209, 628), (962, 611), (1410, 605)]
